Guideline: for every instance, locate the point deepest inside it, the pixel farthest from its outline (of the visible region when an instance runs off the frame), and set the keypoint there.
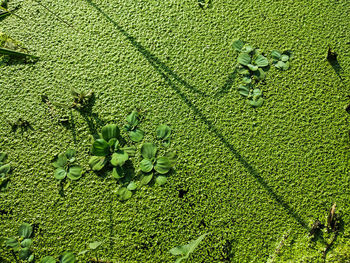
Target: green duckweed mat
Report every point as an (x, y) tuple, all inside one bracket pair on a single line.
[(247, 176)]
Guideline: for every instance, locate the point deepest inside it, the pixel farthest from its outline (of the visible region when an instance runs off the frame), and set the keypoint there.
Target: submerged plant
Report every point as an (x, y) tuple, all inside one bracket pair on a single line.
[(163, 133), (135, 133), (66, 257), (280, 60), (184, 251), (66, 166), (4, 170), (22, 243), (107, 150)]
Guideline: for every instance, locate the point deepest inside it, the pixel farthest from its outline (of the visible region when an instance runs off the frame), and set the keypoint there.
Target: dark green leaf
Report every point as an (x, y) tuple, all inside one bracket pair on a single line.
[(24, 253), (110, 131), (132, 186), (4, 169), (61, 161), (100, 148), (117, 172), (161, 179), (244, 59), (48, 259), (75, 172), (27, 242), (146, 178), (132, 118), (96, 163), (276, 54), (163, 165), (11, 242), (67, 257), (146, 165), (119, 158), (243, 90), (260, 74), (261, 61), (256, 102), (70, 154), (3, 156), (124, 194), (95, 244), (238, 45), (25, 230), (148, 151), (113, 143), (9, 52), (136, 135), (163, 132), (60, 173), (130, 150)]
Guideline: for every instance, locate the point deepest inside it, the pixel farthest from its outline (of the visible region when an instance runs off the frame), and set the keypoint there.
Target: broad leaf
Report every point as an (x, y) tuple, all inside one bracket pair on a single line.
[(247, 80), (253, 67), (238, 45), (61, 161), (261, 61), (256, 102), (148, 151), (243, 71), (163, 132), (117, 172), (146, 166), (75, 172), (4, 169), (136, 135), (186, 250), (95, 244), (25, 230), (284, 58), (119, 158), (276, 54), (100, 148), (280, 64), (260, 74), (243, 90), (60, 173), (161, 179), (124, 194), (70, 154), (132, 119), (132, 186), (24, 253), (244, 59), (96, 163), (27, 242), (11, 242), (48, 259), (67, 257), (247, 49), (110, 131), (257, 93), (146, 179), (163, 165), (130, 150), (286, 65), (114, 143)]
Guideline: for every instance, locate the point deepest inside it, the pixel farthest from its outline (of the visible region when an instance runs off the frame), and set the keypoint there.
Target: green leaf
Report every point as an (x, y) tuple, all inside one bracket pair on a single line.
[(11, 242), (25, 230), (163, 132), (60, 173), (243, 90), (130, 150), (163, 165), (67, 257), (3, 156), (117, 172), (95, 244), (100, 148), (96, 163), (238, 45), (284, 58), (124, 194), (257, 92), (243, 71), (114, 143), (148, 151), (260, 74), (146, 178), (261, 61), (136, 135), (146, 165), (186, 250), (61, 161), (119, 158), (70, 154), (161, 179), (27, 242), (24, 253), (285, 66), (9, 52), (48, 259), (110, 131), (4, 169), (132, 186), (247, 80), (75, 172), (253, 67), (247, 49), (31, 258), (256, 102), (276, 54), (280, 64), (244, 59), (132, 118)]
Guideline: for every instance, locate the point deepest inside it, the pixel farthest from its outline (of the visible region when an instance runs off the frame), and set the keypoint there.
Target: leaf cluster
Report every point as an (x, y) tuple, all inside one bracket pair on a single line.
[(81, 98), (280, 60), (66, 166), (66, 257), (4, 170), (251, 66), (135, 134), (22, 243)]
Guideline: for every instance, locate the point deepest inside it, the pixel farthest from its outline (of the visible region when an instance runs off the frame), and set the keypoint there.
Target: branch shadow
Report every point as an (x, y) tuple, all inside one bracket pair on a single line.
[(166, 74)]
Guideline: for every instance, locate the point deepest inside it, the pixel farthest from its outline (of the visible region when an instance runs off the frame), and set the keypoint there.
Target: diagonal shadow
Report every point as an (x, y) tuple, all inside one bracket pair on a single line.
[(166, 73)]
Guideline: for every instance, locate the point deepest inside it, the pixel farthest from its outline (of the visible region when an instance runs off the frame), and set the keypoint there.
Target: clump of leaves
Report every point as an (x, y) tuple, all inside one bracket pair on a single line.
[(163, 133), (4, 170), (11, 48), (66, 257), (152, 165), (184, 251), (81, 98), (21, 244), (280, 60), (135, 133), (107, 150), (66, 166), (251, 67)]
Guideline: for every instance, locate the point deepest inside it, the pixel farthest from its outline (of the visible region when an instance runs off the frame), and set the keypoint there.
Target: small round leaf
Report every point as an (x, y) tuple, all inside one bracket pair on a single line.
[(132, 186), (136, 135), (146, 179), (110, 131), (284, 58), (117, 172), (146, 165), (276, 54), (244, 59), (163, 165), (238, 45), (48, 259), (161, 179), (96, 163), (75, 172), (27, 242), (119, 158), (261, 61), (124, 194), (163, 132), (148, 151), (60, 173)]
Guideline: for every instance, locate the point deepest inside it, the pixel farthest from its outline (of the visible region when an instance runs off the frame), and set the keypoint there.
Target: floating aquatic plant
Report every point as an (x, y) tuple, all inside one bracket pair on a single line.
[(280, 60), (4, 170), (163, 133), (135, 133), (66, 166), (66, 257)]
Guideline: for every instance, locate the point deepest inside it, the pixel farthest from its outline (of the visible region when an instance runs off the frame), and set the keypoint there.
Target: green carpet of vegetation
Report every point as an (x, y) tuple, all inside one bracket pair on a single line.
[(247, 176)]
